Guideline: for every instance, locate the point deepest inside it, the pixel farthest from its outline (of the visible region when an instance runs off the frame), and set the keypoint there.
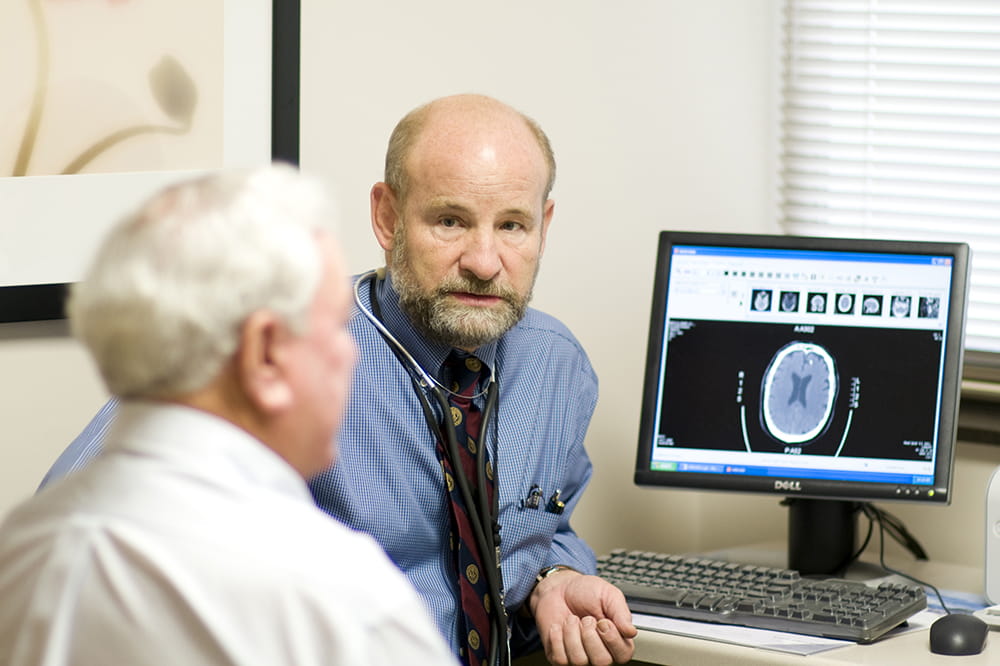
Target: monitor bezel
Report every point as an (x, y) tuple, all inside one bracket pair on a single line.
[(807, 488)]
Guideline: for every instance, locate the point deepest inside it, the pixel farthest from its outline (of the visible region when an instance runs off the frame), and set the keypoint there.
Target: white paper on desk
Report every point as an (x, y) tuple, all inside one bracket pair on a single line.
[(725, 633), (763, 639)]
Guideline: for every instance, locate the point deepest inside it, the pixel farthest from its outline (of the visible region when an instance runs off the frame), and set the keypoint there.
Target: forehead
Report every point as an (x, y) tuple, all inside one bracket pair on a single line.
[(492, 157)]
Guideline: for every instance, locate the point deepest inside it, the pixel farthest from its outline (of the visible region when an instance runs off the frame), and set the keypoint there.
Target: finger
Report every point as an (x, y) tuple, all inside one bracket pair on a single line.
[(621, 647), (619, 613), (623, 625), (555, 650), (572, 642), (593, 642)]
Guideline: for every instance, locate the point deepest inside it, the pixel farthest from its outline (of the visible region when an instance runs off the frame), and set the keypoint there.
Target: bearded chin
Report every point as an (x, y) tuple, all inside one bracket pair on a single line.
[(441, 317), (469, 327), (444, 320)]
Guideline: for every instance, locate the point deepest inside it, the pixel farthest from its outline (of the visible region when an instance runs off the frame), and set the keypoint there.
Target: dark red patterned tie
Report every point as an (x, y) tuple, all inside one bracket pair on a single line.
[(461, 375)]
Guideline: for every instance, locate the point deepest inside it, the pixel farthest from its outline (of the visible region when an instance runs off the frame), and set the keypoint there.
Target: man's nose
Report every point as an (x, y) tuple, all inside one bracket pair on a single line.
[(481, 255)]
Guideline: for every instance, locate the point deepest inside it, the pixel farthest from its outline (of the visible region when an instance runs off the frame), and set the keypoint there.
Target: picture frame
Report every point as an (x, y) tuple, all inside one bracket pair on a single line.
[(258, 133)]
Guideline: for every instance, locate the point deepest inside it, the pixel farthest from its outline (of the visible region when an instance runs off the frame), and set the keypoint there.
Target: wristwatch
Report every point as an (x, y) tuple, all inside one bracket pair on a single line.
[(548, 571), (542, 575)]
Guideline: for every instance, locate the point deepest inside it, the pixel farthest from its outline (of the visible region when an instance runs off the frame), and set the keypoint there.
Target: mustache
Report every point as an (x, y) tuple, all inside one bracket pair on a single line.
[(474, 285)]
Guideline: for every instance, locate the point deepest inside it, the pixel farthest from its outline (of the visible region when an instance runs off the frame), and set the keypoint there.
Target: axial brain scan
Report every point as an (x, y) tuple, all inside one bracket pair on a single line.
[(798, 392)]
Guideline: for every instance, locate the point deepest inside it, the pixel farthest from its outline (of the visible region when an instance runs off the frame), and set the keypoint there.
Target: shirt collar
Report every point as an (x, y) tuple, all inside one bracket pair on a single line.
[(200, 441), (428, 353)]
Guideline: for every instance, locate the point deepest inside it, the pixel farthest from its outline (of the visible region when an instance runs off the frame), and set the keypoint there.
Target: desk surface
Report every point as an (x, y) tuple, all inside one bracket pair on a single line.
[(910, 648)]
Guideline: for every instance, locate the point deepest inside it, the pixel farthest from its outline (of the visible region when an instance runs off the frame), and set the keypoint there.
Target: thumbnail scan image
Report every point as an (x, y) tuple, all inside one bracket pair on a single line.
[(929, 308), (780, 388), (789, 301), (900, 306), (761, 300), (871, 305), (845, 303), (817, 303)]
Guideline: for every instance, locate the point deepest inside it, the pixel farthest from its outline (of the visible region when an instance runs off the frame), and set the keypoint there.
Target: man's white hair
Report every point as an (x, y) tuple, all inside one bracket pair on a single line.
[(162, 305)]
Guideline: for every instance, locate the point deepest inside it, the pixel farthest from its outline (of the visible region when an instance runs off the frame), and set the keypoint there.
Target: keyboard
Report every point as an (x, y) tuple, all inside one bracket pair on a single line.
[(708, 590)]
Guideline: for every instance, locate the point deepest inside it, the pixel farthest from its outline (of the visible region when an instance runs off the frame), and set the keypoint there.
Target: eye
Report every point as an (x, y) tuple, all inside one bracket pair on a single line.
[(511, 226), (448, 222)]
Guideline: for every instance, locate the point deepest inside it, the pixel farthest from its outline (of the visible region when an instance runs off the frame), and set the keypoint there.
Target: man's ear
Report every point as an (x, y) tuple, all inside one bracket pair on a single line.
[(547, 209), (259, 361), (385, 214)]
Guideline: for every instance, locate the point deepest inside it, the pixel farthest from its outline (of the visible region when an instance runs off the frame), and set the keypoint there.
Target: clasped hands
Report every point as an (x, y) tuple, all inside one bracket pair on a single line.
[(582, 620)]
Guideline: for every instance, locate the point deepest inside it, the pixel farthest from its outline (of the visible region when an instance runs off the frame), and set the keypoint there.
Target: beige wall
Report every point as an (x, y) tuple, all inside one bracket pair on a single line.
[(661, 116), (48, 391)]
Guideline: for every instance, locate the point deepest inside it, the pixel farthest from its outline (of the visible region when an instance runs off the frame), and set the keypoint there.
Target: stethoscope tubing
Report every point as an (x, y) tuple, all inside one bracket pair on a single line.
[(484, 513)]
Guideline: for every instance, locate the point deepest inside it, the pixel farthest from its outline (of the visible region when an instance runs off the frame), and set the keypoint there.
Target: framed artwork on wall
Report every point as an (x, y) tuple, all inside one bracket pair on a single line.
[(110, 100)]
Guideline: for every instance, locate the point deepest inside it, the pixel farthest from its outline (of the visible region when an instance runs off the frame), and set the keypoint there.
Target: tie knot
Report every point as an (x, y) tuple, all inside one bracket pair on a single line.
[(462, 373)]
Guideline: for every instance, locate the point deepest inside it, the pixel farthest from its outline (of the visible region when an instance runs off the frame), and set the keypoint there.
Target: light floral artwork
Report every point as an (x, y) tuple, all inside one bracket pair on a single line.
[(105, 86), (103, 102)]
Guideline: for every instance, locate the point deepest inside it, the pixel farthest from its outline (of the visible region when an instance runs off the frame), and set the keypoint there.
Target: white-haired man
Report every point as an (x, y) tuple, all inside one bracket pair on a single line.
[(216, 314)]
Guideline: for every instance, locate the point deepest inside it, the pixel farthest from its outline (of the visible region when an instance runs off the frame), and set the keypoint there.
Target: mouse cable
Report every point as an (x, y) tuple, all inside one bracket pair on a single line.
[(886, 521)]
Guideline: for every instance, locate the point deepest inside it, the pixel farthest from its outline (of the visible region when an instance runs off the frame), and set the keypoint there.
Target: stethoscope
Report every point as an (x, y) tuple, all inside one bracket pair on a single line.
[(483, 513)]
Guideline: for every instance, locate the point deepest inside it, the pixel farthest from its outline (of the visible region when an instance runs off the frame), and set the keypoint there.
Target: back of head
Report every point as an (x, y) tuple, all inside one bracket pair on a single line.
[(161, 306)]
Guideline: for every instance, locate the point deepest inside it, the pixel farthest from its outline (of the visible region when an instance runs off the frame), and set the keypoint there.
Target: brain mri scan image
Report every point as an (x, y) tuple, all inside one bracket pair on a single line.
[(871, 305), (789, 301), (900, 306), (761, 300), (817, 303), (798, 393), (845, 303), (930, 307)]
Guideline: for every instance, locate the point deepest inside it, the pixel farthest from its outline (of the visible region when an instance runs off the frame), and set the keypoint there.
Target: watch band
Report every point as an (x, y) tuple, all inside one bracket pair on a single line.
[(548, 571)]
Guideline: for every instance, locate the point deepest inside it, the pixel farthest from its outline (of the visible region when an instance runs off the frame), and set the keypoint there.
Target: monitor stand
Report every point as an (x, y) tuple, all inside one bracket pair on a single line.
[(821, 535)]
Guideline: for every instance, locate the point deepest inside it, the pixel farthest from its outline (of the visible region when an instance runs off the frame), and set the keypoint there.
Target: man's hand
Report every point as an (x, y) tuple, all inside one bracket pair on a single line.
[(582, 620)]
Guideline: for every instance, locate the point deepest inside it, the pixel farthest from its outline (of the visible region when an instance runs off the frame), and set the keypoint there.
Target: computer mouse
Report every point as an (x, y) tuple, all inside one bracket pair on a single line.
[(958, 634)]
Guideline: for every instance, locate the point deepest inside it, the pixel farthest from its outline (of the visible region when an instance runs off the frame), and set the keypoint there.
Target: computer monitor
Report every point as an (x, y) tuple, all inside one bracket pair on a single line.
[(824, 370)]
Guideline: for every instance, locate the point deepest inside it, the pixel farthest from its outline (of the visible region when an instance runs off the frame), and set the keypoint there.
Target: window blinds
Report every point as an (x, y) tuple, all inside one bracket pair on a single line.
[(890, 128)]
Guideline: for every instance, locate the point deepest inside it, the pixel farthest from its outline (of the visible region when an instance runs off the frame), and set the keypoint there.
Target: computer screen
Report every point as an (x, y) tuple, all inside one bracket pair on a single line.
[(814, 368)]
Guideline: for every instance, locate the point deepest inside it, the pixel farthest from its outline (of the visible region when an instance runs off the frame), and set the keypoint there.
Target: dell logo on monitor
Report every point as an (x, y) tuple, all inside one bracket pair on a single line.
[(788, 485)]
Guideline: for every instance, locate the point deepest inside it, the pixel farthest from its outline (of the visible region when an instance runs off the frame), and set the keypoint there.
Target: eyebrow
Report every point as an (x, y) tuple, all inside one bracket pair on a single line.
[(441, 203), (451, 204)]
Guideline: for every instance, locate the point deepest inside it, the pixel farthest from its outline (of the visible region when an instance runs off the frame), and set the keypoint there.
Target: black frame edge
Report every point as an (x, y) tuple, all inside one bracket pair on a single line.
[(286, 45), (35, 302)]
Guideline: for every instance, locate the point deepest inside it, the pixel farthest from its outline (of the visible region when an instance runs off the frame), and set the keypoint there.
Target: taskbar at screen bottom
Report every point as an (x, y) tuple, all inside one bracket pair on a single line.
[(793, 473)]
